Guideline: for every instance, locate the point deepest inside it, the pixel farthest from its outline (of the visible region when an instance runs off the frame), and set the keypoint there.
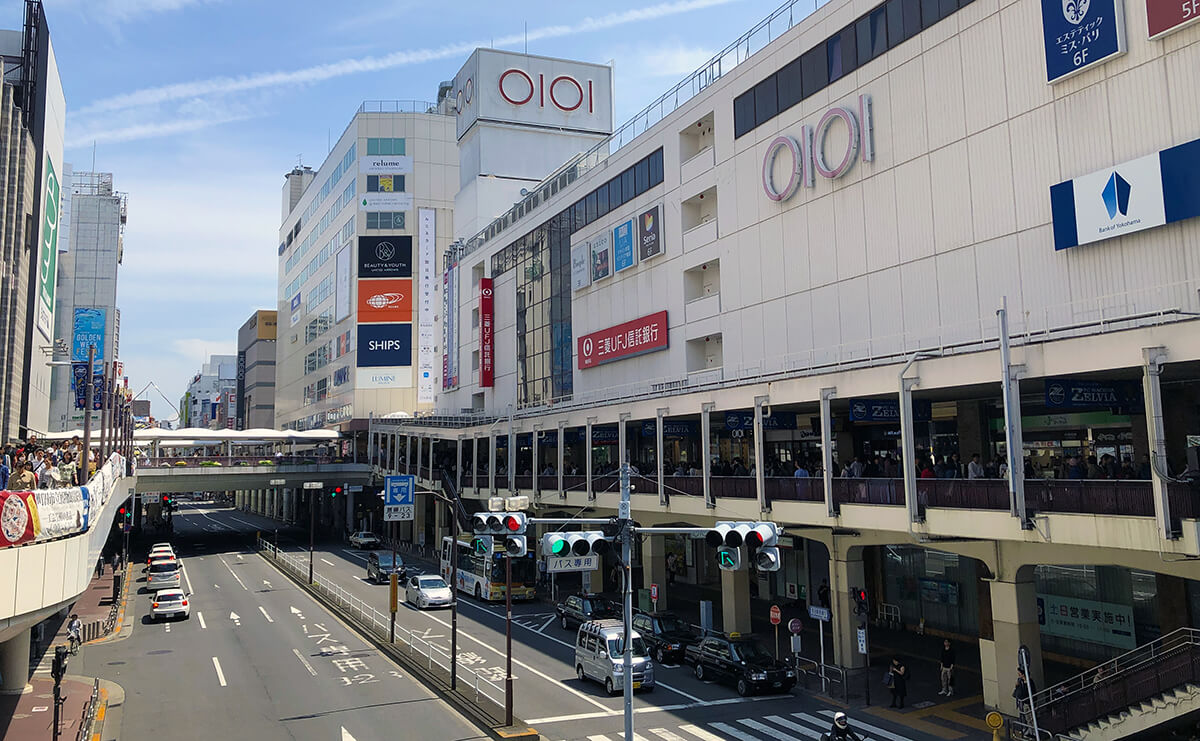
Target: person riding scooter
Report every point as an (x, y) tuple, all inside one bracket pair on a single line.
[(841, 730)]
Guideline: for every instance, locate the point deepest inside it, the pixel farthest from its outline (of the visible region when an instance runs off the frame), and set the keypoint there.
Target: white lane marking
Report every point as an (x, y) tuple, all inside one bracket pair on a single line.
[(700, 733), (220, 674), (803, 730), (354, 554), (200, 615), (546, 677), (325, 561), (235, 576), (216, 586), (768, 730), (598, 738), (346, 735), (729, 730), (264, 612), (187, 579), (666, 735), (548, 623), (304, 661), (297, 613), (238, 519), (268, 584), (237, 619), (167, 627), (858, 723)]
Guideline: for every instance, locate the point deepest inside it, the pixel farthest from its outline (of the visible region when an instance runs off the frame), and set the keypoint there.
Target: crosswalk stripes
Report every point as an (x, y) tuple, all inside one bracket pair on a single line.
[(797, 726)]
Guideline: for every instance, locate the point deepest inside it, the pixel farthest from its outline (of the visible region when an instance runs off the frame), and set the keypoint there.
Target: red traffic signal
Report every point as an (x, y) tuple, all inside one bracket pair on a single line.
[(122, 511), (337, 490), (512, 523)]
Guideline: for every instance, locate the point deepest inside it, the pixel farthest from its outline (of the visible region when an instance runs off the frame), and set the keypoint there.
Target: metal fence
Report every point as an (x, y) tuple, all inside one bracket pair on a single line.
[(89, 714), (434, 659)]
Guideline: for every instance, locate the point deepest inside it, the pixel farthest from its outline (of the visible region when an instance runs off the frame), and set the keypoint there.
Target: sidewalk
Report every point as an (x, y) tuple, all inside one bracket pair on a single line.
[(31, 715)]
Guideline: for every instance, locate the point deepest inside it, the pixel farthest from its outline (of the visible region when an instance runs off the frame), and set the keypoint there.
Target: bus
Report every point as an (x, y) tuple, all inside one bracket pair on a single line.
[(482, 576)]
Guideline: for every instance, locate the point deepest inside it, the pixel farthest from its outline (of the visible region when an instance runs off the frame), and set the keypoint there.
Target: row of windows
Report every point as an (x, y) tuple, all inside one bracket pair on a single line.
[(315, 392), (633, 182), (385, 219), (327, 187), (318, 326), (323, 291), (318, 359), (320, 258), (884, 28), (385, 183), (320, 419), (385, 146), (346, 198)]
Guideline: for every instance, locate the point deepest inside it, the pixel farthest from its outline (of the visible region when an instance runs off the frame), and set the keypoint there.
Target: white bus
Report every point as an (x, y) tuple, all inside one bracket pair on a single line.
[(482, 575)]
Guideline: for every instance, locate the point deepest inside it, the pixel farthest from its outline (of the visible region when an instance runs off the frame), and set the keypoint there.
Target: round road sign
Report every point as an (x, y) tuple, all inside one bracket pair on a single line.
[(994, 720), (795, 626), (776, 615)]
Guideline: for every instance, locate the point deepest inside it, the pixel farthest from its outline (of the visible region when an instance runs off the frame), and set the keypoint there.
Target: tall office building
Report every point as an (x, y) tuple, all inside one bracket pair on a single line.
[(86, 310), (256, 371), (211, 397), (359, 280)]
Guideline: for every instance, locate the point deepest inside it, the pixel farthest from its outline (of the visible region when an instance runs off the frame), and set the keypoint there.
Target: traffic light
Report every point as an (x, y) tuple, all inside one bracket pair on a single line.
[(58, 669), (729, 559), (862, 605), (582, 543), (760, 539), (764, 537), (336, 490), (507, 525)]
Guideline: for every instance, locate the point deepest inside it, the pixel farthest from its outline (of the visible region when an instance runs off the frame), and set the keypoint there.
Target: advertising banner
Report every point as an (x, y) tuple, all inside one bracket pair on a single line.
[(624, 256), (88, 328), (345, 342), (47, 268), (745, 421), (395, 377), (19, 521), (672, 430), (1080, 34), (385, 202), (450, 326), (384, 345), (62, 511), (1165, 16), (385, 300), (487, 370), (241, 389), (341, 303), (385, 164), (295, 309), (385, 257), (1123, 397), (581, 274), (426, 267), (636, 337), (1086, 620), (887, 410), (650, 239), (601, 248)]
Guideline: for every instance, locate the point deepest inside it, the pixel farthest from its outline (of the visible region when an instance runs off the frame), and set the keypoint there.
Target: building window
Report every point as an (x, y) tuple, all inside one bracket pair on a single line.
[(385, 219), (318, 359), (385, 183), (323, 389), (318, 326), (385, 146)]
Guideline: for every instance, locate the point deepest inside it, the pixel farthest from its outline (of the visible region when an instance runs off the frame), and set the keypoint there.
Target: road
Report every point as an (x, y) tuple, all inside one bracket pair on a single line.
[(259, 659), (548, 696)]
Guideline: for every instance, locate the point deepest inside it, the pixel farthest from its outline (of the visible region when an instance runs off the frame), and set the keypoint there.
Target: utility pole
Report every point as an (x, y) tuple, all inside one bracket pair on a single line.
[(626, 525), (87, 416), (313, 487)]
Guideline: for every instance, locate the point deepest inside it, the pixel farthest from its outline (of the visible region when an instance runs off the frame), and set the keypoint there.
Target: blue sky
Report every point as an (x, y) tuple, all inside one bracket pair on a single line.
[(198, 107)]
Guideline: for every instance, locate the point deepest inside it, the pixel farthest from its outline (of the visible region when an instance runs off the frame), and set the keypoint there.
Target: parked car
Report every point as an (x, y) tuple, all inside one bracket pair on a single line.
[(665, 634), (600, 655), (380, 567), (428, 591), (578, 609), (741, 661), (164, 574), (365, 539), (169, 603)]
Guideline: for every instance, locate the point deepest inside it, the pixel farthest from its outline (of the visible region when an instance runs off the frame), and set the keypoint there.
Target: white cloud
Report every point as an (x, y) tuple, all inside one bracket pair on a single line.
[(679, 60), (197, 351), (137, 132), (321, 72)]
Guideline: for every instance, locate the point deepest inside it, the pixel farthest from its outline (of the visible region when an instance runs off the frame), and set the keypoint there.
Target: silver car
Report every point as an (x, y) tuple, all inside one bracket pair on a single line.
[(164, 574), (427, 591)]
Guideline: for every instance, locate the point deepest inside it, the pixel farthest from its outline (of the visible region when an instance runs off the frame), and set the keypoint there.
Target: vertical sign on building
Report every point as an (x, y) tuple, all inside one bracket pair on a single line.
[(624, 254), (450, 321), (426, 266), (487, 369), (88, 328), (1079, 34), (649, 228), (47, 269), (241, 389), (581, 274), (342, 285)]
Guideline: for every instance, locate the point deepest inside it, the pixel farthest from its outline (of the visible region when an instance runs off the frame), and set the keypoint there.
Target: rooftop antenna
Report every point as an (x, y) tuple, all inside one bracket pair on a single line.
[(526, 38), (300, 160), (93, 155)]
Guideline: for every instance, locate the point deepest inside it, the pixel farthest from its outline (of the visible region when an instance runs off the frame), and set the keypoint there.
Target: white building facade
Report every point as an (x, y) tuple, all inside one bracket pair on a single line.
[(359, 274)]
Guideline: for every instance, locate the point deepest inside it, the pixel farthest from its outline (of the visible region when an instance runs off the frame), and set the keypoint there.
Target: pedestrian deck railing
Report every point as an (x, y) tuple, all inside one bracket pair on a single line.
[(433, 658)]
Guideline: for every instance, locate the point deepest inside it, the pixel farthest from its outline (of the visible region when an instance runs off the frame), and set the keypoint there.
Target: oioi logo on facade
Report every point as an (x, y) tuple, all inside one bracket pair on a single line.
[(808, 154)]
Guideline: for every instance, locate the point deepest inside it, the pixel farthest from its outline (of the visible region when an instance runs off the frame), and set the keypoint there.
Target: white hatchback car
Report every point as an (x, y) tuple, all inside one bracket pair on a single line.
[(169, 603), (428, 591), (164, 574)]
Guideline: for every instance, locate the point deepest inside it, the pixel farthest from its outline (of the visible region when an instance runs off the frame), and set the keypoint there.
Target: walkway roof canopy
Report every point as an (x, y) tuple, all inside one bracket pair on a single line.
[(201, 436)]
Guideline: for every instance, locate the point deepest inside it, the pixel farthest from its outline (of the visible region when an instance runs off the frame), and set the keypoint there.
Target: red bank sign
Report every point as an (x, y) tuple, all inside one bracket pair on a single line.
[(487, 366), (1165, 16), (643, 335)]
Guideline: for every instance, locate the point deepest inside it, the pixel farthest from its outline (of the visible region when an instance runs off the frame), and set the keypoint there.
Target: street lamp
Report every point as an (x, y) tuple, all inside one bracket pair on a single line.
[(312, 486)]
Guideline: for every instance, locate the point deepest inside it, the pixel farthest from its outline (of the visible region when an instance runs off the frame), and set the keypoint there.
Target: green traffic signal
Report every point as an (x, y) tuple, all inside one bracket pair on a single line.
[(560, 547)]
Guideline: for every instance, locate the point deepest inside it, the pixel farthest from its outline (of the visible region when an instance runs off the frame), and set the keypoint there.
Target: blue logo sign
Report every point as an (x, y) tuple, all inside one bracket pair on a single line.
[(296, 302), (384, 345), (623, 254), (887, 410), (1122, 397), (1081, 33), (398, 490), (745, 421), (1116, 195)]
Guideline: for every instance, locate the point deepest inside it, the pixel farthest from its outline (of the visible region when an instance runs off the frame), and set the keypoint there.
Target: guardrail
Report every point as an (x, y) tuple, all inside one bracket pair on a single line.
[(378, 623), (833, 675), (215, 461), (90, 709)]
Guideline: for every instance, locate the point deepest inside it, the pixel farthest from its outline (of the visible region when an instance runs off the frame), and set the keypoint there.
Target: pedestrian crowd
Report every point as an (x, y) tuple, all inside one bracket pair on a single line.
[(29, 465)]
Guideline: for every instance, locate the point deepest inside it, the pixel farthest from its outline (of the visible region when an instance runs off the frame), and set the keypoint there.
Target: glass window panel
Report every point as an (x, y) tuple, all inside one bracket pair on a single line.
[(627, 186), (814, 64), (912, 18), (601, 201), (372, 183), (787, 83), (590, 202), (743, 113), (656, 167), (833, 48), (614, 193), (949, 7), (641, 177), (872, 35), (895, 22), (766, 101), (931, 12), (849, 50), (372, 146)]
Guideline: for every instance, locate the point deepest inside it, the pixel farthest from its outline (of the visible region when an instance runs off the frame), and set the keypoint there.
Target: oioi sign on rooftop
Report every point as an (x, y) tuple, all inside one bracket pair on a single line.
[(808, 154)]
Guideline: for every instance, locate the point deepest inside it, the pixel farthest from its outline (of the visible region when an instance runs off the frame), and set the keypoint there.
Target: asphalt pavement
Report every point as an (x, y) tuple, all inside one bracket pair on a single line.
[(258, 658), (548, 696)]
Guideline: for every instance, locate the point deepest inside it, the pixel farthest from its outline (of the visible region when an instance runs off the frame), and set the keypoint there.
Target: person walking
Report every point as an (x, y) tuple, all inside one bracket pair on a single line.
[(947, 665), (899, 682)]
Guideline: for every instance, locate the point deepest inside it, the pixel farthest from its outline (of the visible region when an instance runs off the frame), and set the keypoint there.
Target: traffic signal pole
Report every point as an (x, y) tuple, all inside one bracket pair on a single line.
[(508, 677), (623, 516)]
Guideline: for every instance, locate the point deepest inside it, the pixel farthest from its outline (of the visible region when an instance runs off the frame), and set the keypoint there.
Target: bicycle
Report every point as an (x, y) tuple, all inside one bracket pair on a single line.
[(73, 644)]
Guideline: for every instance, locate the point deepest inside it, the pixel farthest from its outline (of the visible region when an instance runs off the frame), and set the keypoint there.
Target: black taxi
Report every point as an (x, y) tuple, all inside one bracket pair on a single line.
[(741, 661)]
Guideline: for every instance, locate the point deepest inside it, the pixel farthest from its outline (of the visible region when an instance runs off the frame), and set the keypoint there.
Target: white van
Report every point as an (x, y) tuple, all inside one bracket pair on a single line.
[(600, 655)]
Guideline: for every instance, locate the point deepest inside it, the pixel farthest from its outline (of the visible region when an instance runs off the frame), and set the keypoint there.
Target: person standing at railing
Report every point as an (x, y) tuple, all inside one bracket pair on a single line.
[(975, 468)]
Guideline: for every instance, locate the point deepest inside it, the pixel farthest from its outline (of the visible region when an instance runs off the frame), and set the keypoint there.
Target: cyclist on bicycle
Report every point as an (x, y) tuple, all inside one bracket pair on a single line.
[(75, 631)]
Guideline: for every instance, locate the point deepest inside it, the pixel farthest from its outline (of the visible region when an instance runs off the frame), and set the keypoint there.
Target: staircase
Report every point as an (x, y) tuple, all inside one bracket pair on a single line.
[(1133, 693)]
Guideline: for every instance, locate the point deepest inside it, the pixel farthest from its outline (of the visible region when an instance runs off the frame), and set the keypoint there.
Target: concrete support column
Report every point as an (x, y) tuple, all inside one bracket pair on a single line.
[(420, 447), (14, 664), (827, 461), (587, 447), (441, 527), (350, 510), (735, 601), (475, 464), (408, 454), (1014, 623), (421, 507), (710, 501), (971, 418), (537, 430), (844, 574), (654, 565), (492, 463)]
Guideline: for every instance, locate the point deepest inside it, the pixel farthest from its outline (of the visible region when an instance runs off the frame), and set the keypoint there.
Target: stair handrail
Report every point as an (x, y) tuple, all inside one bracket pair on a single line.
[(1111, 670)]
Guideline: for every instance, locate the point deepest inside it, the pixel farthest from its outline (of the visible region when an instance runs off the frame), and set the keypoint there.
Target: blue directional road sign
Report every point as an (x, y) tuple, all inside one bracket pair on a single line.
[(398, 504)]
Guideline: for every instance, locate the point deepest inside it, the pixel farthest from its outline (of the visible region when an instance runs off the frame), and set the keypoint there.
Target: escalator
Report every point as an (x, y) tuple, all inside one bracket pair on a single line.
[(1140, 694)]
